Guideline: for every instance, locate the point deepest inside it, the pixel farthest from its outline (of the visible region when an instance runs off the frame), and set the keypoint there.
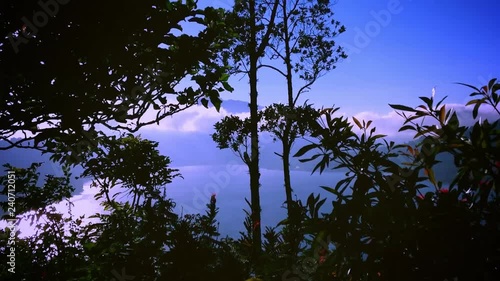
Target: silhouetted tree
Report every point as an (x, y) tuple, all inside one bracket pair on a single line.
[(304, 41), (254, 21), (69, 70), (398, 222)]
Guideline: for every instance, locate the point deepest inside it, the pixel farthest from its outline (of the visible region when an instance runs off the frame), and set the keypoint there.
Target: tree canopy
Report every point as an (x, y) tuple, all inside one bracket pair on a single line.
[(72, 68)]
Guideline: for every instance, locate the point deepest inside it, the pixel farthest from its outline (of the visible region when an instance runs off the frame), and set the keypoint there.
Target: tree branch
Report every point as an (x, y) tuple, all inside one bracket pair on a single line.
[(272, 67), (270, 27)]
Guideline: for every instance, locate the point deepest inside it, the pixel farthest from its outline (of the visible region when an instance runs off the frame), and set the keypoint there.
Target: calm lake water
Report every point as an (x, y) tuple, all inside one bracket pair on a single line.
[(230, 184)]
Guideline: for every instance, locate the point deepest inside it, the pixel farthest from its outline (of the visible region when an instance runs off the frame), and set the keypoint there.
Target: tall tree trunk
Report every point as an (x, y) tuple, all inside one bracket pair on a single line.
[(286, 175), (254, 136), (287, 140)]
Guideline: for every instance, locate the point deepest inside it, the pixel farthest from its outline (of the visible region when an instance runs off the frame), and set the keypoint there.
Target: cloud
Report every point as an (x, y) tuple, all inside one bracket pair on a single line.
[(386, 123), (84, 204), (201, 119), (193, 119), (464, 113), (389, 123)]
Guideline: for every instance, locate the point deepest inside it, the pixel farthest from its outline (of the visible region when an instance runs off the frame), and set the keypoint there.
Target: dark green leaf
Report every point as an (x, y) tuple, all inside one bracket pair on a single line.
[(305, 149), (427, 101), (216, 101), (402, 107), (407, 127), (470, 86), (204, 102)]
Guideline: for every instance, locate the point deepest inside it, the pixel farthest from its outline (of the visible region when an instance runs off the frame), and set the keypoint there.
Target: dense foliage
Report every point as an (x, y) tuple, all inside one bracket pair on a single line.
[(66, 75), (397, 223), (389, 221)]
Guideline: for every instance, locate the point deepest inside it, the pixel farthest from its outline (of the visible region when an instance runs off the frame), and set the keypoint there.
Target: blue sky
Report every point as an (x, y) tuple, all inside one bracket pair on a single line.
[(424, 44)]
